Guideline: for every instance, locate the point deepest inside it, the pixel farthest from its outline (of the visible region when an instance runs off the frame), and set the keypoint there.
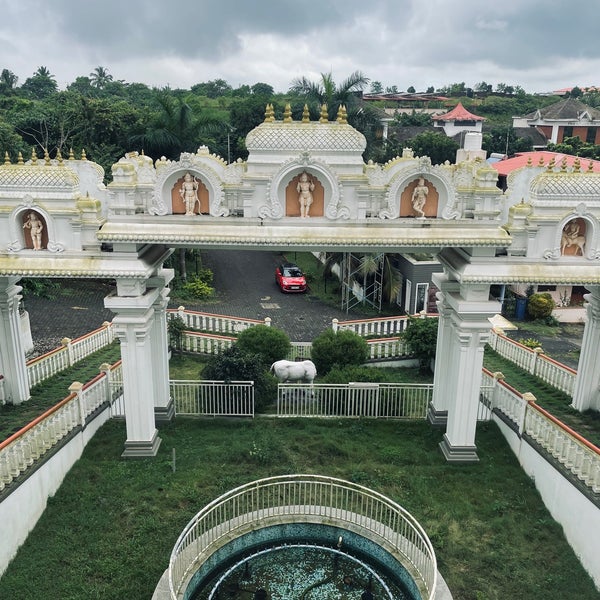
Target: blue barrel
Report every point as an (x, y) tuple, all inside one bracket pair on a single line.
[(520, 307)]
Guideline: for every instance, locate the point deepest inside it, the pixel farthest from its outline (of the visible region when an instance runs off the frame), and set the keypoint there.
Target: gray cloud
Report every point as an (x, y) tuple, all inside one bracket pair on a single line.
[(540, 45)]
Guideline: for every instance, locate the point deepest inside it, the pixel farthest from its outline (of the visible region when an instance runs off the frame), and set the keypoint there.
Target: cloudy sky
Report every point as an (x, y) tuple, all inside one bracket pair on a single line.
[(542, 45)]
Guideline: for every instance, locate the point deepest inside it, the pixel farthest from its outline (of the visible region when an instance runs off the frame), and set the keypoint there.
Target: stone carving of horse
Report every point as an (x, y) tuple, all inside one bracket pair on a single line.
[(288, 370), (567, 242)]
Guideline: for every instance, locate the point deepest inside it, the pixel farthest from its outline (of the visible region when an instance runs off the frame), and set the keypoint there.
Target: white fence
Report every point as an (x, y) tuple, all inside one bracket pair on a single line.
[(71, 351), (573, 452), (375, 400), (208, 322), (535, 362), (297, 499), (213, 398), (21, 450), (205, 343)]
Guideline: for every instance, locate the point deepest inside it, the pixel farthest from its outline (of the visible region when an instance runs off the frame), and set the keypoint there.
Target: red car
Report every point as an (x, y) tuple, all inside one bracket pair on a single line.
[(290, 278)]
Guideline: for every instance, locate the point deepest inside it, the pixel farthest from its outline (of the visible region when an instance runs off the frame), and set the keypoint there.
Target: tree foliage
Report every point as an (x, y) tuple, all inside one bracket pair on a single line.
[(269, 343), (336, 349), (437, 146), (421, 339)]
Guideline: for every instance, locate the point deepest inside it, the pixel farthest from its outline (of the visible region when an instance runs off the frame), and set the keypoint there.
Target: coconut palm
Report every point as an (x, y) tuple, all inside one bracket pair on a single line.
[(327, 92), (99, 77)]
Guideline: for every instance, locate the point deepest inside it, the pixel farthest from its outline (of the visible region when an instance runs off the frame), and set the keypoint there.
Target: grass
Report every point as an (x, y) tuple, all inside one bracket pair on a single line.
[(109, 530), (51, 391), (554, 401)]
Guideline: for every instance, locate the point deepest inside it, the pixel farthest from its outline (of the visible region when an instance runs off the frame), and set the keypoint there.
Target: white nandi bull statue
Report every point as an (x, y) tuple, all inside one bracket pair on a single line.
[(288, 370)]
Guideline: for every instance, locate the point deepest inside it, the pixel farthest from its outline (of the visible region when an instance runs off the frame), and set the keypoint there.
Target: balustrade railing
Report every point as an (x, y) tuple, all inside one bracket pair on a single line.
[(22, 449), (377, 326), (72, 351), (535, 362), (205, 343), (296, 499), (208, 322)]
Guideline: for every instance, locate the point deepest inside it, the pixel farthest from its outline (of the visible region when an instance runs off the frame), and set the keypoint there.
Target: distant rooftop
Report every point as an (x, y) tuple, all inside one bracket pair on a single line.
[(543, 158), (459, 113)]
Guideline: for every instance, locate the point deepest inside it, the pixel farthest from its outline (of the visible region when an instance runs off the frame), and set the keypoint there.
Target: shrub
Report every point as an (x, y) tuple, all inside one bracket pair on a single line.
[(530, 343), (338, 349), (357, 373), (175, 328), (540, 305), (421, 339), (269, 343), (233, 364), (196, 289)]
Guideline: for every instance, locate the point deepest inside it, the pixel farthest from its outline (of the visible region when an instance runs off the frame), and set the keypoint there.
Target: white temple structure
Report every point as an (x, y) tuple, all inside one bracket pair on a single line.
[(544, 229)]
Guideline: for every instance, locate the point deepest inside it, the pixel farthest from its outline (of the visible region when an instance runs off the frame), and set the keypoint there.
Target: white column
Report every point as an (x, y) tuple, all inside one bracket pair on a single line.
[(12, 353), (470, 310), (586, 394), (164, 408), (438, 409), (133, 324)]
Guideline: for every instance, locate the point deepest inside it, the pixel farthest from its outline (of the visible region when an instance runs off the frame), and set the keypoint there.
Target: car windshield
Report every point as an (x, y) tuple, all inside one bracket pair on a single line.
[(292, 272)]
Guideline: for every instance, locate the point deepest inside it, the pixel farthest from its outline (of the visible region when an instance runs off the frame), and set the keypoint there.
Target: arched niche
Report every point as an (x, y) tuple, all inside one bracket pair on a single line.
[(31, 221), (573, 237), (431, 203), (202, 206), (292, 203)]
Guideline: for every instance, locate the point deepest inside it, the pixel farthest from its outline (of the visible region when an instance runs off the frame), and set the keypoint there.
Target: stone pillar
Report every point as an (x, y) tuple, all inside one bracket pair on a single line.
[(469, 311), (164, 407), (12, 353), (586, 394), (437, 414), (133, 325)]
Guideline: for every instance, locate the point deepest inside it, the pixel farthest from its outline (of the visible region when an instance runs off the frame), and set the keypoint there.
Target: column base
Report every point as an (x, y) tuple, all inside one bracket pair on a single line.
[(142, 449), (458, 454), (164, 414), (437, 418)]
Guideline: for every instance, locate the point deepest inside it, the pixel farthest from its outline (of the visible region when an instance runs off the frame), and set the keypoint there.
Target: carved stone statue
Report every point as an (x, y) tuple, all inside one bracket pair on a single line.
[(305, 189), (36, 227), (419, 197), (189, 193), (572, 236)]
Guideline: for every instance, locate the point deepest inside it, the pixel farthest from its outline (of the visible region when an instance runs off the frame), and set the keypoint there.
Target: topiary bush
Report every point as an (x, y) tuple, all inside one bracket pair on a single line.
[(338, 349), (540, 305), (269, 343)]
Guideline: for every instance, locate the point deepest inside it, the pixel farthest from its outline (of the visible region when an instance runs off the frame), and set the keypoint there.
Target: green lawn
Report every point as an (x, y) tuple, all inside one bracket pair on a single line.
[(108, 532)]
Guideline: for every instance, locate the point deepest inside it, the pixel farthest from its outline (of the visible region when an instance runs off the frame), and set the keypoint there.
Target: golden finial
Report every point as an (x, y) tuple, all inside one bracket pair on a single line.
[(529, 162), (266, 113), (551, 164), (541, 162), (305, 114), (576, 165), (143, 152), (324, 116), (59, 158), (269, 114), (20, 159), (287, 113), (46, 156), (344, 115), (33, 156), (340, 113), (83, 156), (563, 164), (6, 158), (591, 166), (71, 154)]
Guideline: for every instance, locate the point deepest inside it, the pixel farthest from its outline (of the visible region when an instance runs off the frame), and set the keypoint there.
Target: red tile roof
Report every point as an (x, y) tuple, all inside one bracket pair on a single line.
[(506, 166), (459, 113)]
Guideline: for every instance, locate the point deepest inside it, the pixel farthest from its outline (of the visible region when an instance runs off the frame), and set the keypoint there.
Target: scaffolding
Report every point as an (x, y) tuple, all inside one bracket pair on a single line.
[(362, 280)]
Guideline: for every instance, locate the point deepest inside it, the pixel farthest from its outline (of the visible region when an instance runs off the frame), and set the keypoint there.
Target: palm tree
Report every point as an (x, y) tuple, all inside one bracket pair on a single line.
[(8, 79), (327, 92), (99, 77)]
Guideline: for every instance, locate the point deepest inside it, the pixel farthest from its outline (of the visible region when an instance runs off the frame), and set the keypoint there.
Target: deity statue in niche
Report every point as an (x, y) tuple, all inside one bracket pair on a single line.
[(572, 241), (305, 188), (36, 227), (419, 197), (189, 194)]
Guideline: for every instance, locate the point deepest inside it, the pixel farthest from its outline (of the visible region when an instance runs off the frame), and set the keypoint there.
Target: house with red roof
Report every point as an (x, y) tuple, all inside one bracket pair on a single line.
[(458, 120)]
